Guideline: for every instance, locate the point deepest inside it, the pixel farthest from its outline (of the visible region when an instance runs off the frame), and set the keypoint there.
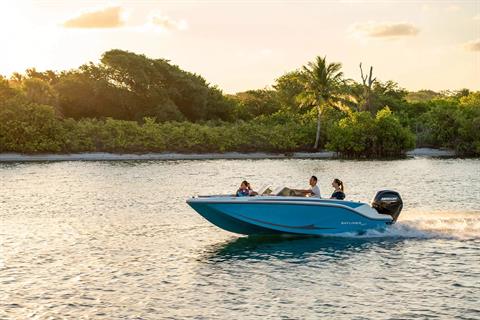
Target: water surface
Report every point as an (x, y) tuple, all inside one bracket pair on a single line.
[(115, 240)]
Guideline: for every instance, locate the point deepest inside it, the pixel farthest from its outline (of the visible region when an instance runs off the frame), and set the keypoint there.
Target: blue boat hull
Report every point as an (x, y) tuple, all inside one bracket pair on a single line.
[(320, 217)]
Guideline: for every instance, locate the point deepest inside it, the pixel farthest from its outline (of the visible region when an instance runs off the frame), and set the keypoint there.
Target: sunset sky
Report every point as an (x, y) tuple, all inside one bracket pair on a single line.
[(241, 45)]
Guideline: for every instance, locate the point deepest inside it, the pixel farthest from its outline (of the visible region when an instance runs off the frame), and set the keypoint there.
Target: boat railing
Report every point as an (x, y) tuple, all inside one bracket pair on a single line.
[(215, 196)]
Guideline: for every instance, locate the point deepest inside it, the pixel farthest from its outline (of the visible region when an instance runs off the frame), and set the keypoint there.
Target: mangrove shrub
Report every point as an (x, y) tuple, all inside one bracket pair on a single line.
[(362, 135)]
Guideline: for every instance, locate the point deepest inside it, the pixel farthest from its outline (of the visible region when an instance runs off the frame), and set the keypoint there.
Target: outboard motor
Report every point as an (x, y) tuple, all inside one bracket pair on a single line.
[(388, 202)]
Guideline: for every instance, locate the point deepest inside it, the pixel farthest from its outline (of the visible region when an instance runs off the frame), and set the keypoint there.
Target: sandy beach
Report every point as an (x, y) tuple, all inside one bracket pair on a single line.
[(103, 156)]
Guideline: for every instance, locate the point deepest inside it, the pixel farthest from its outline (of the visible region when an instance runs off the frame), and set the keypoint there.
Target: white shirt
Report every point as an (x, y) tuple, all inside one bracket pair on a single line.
[(316, 191)]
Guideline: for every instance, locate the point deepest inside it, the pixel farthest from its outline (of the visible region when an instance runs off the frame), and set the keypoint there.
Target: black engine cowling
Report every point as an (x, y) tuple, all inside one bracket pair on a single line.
[(388, 202)]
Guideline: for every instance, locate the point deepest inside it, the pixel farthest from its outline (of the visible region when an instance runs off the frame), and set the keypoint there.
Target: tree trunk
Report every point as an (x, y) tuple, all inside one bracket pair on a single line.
[(367, 90), (319, 126)]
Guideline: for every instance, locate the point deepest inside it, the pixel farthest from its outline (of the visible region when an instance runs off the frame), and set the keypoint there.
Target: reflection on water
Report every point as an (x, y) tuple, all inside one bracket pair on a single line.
[(109, 240), (292, 248)]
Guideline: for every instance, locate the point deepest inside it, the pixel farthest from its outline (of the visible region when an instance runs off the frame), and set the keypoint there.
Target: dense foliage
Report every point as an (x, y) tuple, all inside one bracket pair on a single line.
[(130, 103), (362, 135), (37, 129)]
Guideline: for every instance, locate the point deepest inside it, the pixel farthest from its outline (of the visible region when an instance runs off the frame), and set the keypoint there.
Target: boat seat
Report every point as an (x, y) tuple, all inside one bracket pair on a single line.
[(285, 192)]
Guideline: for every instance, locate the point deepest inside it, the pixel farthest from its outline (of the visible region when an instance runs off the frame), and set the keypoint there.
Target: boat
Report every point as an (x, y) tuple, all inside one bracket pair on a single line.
[(286, 213)]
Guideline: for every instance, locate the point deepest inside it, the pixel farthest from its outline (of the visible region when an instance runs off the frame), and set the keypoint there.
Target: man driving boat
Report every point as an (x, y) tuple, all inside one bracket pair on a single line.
[(314, 190)]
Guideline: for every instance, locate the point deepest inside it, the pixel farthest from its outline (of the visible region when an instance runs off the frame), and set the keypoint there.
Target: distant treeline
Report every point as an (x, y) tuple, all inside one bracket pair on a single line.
[(130, 103)]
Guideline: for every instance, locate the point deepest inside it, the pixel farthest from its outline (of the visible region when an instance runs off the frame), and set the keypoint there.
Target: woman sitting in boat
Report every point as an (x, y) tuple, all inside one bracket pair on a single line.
[(338, 193), (245, 190)]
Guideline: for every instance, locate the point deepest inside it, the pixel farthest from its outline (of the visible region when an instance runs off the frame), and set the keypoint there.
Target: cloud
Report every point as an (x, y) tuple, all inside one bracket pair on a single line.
[(166, 23), (115, 18), (384, 29), (473, 45), (110, 17)]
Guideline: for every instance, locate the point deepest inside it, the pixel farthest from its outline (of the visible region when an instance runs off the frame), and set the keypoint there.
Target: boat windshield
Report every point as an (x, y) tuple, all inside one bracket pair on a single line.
[(265, 190)]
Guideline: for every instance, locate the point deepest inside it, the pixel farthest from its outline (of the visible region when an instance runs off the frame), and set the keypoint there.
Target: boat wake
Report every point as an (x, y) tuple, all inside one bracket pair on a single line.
[(430, 225)]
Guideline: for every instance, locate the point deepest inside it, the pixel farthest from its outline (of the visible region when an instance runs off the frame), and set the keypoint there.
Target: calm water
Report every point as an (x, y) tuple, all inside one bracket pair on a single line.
[(115, 240)]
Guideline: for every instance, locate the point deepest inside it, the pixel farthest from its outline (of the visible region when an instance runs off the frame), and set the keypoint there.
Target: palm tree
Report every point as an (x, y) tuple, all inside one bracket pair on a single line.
[(323, 87)]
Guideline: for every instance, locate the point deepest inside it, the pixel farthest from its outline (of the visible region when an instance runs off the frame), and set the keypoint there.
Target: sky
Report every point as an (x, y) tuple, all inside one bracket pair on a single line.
[(240, 45)]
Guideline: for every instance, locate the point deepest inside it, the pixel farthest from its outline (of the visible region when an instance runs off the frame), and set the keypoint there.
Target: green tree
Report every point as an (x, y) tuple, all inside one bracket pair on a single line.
[(6, 91), (389, 94), (130, 86), (288, 87), (362, 135), (469, 124), (422, 96), (323, 87), (254, 103), (39, 91), (442, 122), (48, 76), (28, 127), (454, 122)]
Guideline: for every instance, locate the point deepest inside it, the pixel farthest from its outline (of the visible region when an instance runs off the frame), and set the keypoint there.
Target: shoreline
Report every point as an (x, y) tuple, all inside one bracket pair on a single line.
[(105, 156)]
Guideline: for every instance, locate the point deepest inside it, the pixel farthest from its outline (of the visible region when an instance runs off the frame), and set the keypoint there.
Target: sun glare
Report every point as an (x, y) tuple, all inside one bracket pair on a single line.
[(28, 43), (20, 41)]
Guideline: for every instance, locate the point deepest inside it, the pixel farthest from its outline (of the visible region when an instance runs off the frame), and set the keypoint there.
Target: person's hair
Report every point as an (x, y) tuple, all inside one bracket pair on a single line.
[(314, 178), (245, 182), (339, 182)]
